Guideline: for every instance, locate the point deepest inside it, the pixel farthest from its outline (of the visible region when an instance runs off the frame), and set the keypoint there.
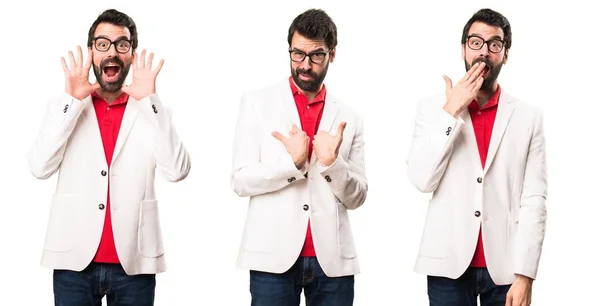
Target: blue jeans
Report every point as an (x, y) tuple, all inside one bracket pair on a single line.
[(88, 287), (268, 289), (464, 290)]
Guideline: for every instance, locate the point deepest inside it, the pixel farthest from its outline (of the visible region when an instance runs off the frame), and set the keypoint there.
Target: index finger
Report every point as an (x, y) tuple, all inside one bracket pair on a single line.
[(79, 56), (476, 72), (470, 72), (88, 63)]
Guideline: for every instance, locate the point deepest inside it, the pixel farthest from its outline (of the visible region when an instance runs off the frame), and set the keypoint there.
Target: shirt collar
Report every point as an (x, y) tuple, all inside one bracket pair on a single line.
[(122, 99), (494, 99), (320, 97)]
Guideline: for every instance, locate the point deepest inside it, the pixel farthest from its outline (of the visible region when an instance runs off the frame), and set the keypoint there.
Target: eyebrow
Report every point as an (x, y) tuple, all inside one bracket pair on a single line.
[(118, 38), (319, 50), (495, 37)]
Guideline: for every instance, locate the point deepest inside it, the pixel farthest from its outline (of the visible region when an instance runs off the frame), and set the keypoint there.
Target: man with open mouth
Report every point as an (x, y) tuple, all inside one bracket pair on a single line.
[(106, 140), (481, 153)]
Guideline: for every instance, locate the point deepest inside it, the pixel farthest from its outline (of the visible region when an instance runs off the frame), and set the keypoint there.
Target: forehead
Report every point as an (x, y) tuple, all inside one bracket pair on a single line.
[(111, 31), (485, 30), (305, 44)]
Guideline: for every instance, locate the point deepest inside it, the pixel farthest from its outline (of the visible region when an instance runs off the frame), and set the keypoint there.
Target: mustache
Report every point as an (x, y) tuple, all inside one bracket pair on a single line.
[(114, 60), (306, 71), (485, 60)]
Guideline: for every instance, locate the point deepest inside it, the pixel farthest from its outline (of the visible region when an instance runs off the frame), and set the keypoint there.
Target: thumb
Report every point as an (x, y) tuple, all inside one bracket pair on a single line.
[(96, 86), (295, 128), (341, 129), (448, 82)]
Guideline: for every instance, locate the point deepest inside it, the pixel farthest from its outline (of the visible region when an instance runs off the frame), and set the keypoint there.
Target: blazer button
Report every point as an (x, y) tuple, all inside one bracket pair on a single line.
[(305, 206), (66, 108), (101, 206), (328, 178), (479, 180), (291, 179), (103, 173), (477, 213)]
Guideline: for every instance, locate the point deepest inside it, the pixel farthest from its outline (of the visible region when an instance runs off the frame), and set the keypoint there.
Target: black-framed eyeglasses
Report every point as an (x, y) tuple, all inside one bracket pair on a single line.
[(317, 57), (476, 43), (103, 44)]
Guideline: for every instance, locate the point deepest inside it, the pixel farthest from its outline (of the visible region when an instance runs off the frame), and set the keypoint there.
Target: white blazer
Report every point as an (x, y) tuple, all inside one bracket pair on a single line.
[(282, 198), (507, 197), (70, 143)]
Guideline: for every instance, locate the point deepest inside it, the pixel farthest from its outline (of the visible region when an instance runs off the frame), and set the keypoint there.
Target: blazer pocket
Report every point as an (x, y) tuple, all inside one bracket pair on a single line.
[(150, 242), (437, 232), (61, 223), (344, 234)]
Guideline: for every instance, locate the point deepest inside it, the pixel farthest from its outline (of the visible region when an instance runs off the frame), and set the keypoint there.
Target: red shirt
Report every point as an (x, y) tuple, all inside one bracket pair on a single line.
[(483, 123), (109, 121), (310, 117)]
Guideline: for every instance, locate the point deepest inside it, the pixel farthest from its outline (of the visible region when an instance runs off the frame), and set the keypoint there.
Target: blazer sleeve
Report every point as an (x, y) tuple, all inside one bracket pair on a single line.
[(532, 213), (347, 178), (431, 146), (46, 154), (172, 159), (250, 175)]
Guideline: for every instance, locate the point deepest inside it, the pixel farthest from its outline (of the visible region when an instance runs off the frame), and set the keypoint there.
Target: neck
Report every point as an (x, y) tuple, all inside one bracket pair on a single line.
[(484, 95), (109, 97)]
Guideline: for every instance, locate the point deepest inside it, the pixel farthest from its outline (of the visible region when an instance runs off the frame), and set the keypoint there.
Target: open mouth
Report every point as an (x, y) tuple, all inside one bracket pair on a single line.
[(111, 71), (486, 70)]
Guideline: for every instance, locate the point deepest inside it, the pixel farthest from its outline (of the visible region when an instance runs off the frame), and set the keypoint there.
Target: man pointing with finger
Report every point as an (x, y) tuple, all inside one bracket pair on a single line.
[(298, 154), (106, 141), (481, 153)]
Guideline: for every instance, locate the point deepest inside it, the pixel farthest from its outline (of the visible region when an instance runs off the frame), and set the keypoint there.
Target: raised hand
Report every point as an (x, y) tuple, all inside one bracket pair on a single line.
[(327, 146), (461, 95), (296, 145), (143, 82), (77, 83)]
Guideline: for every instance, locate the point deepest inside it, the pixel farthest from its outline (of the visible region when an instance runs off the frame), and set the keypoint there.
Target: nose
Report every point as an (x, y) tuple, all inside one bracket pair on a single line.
[(484, 51), (112, 51), (306, 63)]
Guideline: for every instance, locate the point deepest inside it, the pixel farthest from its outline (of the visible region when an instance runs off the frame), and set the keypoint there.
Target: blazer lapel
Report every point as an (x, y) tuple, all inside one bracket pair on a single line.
[(129, 117), (89, 122), (288, 106), (505, 110), (470, 140)]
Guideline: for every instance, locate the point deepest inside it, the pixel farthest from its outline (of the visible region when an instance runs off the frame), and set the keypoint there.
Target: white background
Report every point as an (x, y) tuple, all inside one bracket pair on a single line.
[(388, 58)]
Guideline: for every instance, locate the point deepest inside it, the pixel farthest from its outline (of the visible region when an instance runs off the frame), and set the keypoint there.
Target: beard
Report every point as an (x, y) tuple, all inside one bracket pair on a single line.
[(310, 85), (494, 72), (114, 86)]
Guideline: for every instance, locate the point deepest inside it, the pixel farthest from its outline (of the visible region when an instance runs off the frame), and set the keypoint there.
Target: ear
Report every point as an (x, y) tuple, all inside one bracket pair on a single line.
[(505, 56), (463, 51), (332, 55)]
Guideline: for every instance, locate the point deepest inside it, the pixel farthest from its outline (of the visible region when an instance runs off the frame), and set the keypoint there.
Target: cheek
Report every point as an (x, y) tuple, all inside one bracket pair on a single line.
[(127, 59), (96, 61)]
